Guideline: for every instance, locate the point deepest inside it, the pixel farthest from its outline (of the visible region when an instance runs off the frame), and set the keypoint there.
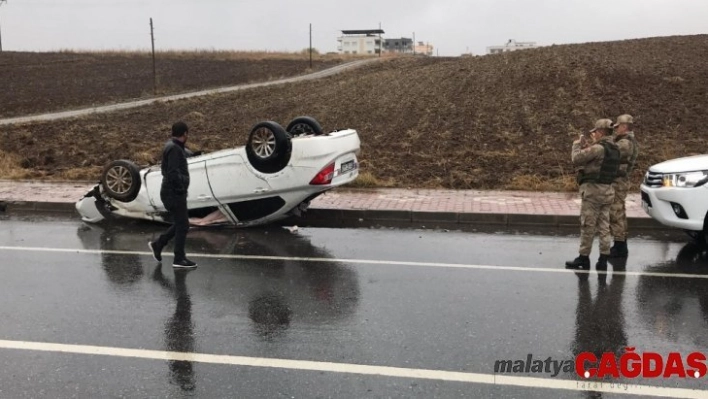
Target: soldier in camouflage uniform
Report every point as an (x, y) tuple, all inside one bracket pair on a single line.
[(600, 165), (624, 138)]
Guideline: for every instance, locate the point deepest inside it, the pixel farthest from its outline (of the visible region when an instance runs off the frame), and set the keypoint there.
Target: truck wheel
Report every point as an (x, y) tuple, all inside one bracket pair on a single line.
[(120, 180), (701, 239), (269, 147), (691, 255), (304, 125)]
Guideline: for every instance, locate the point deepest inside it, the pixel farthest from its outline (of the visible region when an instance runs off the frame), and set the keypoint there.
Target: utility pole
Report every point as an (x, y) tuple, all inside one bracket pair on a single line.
[(154, 72), (380, 41), (310, 46), (1, 1), (413, 43)]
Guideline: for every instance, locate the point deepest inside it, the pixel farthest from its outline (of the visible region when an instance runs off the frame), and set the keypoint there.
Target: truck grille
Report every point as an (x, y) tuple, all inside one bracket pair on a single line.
[(652, 179)]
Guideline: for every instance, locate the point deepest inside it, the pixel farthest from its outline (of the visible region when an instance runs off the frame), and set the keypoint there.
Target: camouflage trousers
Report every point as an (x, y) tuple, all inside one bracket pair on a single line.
[(595, 217), (618, 210)]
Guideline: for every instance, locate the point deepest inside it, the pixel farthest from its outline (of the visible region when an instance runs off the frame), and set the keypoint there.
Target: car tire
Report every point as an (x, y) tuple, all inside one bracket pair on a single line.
[(702, 236), (120, 180), (304, 125), (269, 147), (701, 239), (691, 255)]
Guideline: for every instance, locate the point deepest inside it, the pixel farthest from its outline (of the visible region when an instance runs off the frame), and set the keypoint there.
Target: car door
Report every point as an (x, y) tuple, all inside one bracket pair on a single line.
[(153, 184), (232, 180), (199, 194)]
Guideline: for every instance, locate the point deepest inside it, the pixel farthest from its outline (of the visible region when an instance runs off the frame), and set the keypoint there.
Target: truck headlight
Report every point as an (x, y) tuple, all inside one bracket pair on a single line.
[(688, 179)]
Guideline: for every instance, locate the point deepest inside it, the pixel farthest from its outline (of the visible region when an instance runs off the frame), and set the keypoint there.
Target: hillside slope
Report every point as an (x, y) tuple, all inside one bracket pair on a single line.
[(500, 121), (32, 83)]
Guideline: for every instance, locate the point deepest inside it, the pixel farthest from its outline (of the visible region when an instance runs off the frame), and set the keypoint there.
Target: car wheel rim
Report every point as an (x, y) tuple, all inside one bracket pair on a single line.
[(119, 179), (301, 128), (263, 143)]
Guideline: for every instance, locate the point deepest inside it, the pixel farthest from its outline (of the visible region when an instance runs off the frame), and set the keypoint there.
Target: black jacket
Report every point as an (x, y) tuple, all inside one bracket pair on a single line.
[(175, 173)]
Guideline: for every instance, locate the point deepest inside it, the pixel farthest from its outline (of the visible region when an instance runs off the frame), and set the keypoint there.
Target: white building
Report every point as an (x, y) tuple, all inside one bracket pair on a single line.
[(511, 45), (360, 42)]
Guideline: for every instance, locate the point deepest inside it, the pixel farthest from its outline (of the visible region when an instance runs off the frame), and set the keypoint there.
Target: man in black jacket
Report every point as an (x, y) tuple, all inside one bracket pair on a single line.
[(175, 183)]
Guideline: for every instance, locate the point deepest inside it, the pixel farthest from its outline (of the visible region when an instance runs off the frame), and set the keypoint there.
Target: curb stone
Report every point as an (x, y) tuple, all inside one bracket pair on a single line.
[(394, 218)]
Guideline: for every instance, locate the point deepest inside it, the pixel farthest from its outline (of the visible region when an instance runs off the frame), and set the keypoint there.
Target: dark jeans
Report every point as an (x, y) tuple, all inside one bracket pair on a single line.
[(177, 206)]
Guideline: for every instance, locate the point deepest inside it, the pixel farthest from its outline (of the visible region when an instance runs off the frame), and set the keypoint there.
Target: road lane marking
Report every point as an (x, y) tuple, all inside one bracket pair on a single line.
[(348, 368), (355, 261)]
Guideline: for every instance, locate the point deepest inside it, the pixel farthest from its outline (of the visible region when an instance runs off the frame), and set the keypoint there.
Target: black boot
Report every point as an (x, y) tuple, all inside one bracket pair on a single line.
[(618, 264), (619, 250), (582, 262), (601, 264)]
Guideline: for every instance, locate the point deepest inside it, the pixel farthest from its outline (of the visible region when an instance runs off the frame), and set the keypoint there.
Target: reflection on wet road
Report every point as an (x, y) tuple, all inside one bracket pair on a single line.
[(179, 331), (354, 308)]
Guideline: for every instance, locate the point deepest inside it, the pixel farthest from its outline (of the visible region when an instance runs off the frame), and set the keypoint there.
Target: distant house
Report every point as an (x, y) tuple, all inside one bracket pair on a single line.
[(511, 45), (360, 41), (401, 45), (370, 42), (424, 48)]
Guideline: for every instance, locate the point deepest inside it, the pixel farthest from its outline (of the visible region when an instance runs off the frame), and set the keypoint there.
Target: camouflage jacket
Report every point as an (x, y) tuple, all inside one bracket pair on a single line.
[(628, 153), (589, 158)]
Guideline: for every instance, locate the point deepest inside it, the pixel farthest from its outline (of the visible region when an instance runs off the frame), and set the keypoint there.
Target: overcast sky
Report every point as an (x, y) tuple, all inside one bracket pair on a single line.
[(453, 27)]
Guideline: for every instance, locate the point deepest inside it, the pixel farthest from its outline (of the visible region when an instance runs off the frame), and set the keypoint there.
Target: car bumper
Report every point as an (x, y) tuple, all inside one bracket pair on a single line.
[(659, 203), (88, 210)]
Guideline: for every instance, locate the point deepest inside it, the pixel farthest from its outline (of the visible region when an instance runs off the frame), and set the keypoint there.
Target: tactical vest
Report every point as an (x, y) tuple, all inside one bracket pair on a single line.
[(632, 158), (609, 169)]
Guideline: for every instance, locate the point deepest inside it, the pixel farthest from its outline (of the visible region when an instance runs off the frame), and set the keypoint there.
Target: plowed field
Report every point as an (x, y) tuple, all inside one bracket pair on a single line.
[(492, 122), (31, 83)]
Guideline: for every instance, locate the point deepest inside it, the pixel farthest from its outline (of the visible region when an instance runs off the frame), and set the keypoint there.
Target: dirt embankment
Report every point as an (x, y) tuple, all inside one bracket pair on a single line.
[(32, 83)]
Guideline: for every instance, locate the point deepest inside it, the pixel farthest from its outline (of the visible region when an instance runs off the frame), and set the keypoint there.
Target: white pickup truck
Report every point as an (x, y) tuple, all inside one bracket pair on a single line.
[(675, 194)]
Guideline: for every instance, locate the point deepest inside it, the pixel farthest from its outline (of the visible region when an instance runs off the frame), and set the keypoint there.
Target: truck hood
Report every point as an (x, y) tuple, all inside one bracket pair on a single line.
[(679, 165)]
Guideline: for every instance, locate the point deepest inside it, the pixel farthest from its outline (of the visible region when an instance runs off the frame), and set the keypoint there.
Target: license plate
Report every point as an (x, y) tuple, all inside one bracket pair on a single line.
[(347, 166)]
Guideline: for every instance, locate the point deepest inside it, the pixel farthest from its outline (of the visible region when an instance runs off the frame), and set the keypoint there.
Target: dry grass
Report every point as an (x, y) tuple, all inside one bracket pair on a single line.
[(81, 174), (368, 180), (11, 168), (146, 157)]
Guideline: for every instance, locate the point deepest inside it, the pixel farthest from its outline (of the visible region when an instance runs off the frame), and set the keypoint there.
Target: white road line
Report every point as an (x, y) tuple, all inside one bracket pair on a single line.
[(357, 261), (347, 368)]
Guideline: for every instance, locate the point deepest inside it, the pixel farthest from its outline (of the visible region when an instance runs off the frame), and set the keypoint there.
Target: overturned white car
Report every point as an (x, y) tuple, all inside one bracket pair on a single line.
[(274, 176)]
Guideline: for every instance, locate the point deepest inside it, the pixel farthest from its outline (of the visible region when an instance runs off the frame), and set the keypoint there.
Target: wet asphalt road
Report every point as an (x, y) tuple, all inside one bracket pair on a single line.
[(250, 297)]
